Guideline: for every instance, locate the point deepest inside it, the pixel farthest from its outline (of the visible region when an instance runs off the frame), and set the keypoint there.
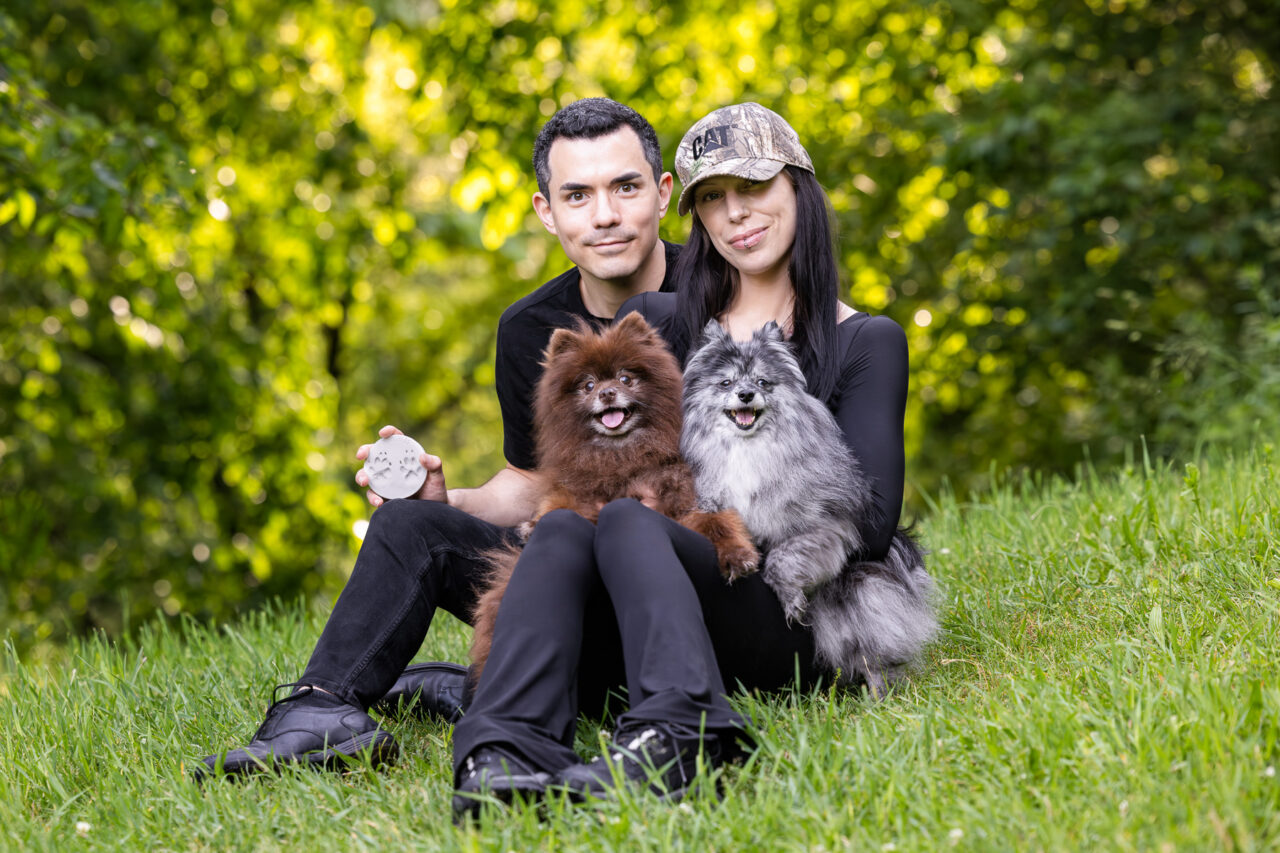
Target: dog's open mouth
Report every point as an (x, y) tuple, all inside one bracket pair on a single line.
[(743, 419), (613, 419)]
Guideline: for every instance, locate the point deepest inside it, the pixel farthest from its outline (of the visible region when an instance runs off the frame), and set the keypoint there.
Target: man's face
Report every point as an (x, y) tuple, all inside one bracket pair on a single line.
[(603, 203)]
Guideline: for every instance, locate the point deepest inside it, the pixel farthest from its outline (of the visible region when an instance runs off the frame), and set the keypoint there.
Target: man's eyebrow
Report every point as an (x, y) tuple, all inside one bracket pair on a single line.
[(628, 178)]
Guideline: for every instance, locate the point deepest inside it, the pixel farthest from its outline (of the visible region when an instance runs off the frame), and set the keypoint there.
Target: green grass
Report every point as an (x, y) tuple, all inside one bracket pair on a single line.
[(1108, 679)]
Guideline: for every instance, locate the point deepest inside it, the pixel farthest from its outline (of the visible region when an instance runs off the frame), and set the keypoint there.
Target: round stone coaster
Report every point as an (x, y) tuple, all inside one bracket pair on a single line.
[(393, 467)]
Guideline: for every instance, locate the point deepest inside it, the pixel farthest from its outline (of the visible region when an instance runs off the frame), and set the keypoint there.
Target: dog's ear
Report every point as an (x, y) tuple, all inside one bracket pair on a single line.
[(562, 341), (771, 332), (634, 324), (713, 331)]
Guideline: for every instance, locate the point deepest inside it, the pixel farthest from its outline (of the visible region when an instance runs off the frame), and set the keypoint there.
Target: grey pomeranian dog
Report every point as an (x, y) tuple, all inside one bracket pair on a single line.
[(759, 443)]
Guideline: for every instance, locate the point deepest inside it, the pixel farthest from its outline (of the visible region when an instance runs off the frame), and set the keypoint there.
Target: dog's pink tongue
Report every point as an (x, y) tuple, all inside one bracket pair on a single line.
[(746, 417), (613, 418)]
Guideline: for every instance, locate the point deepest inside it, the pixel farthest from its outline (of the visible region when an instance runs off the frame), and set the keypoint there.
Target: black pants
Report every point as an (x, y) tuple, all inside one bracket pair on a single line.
[(416, 556), (680, 632), (635, 600)]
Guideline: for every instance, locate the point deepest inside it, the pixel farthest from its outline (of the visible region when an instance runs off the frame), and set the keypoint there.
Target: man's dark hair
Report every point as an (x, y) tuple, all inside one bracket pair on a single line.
[(590, 118)]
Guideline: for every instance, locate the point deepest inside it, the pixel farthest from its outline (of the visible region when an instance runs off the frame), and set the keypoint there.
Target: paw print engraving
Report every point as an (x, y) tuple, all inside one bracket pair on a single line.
[(394, 468), (379, 464), (409, 465)]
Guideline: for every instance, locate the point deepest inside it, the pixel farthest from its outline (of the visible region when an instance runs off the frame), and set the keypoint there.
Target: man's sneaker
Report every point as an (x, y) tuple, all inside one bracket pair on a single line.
[(307, 727), (490, 774), (426, 690), (647, 754)]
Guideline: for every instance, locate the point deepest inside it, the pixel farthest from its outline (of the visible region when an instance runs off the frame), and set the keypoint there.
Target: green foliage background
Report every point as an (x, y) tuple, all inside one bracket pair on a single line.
[(237, 237)]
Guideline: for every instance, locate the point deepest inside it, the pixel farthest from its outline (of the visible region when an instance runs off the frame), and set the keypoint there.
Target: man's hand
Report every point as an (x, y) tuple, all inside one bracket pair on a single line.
[(508, 498), (432, 490)]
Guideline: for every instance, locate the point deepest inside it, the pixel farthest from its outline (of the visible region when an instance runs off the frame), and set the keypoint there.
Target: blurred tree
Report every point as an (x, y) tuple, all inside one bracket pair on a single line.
[(1110, 215), (236, 238)]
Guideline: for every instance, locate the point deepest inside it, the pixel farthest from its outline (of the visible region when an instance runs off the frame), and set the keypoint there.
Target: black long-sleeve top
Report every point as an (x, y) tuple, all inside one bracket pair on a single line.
[(869, 403)]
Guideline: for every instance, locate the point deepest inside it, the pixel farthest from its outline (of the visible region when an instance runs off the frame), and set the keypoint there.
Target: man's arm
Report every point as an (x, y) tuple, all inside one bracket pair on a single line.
[(507, 499)]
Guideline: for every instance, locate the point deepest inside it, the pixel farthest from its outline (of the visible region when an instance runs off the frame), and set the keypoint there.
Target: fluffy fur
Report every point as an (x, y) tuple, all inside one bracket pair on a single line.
[(607, 426), (758, 443)]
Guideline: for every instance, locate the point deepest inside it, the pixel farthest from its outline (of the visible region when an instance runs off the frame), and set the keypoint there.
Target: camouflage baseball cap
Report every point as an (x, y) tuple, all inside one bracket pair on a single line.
[(744, 140)]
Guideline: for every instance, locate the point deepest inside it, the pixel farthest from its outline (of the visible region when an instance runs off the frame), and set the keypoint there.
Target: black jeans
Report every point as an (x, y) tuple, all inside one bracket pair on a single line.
[(679, 634), (416, 556)]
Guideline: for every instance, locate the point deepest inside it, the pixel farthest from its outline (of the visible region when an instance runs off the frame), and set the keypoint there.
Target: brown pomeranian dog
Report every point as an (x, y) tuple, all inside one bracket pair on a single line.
[(607, 426)]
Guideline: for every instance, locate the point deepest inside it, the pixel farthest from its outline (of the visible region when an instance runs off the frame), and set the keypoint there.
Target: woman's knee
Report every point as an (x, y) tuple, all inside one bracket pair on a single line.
[(563, 525), (624, 513), (561, 546), (627, 531)]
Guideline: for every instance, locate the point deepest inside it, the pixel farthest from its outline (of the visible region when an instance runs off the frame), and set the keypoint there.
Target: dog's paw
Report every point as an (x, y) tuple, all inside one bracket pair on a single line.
[(795, 609), (738, 561), (795, 603), (524, 530), (876, 684)]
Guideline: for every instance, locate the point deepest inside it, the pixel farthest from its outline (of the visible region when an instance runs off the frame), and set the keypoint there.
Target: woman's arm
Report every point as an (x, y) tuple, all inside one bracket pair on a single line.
[(870, 410)]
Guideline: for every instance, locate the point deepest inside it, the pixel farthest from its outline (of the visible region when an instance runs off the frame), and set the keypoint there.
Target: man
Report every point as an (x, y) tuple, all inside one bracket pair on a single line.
[(601, 192)]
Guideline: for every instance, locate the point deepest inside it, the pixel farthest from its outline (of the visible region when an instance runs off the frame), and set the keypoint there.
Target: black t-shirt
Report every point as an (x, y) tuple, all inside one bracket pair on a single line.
[(523, 333), (869, 403)]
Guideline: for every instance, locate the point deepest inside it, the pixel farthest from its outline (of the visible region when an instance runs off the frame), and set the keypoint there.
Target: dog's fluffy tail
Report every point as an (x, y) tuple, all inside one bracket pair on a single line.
[(502, 561), (876, 618)]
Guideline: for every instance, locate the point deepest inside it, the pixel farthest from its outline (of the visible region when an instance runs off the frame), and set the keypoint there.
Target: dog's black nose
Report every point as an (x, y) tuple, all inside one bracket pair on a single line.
[(746, 396), (607, 394)]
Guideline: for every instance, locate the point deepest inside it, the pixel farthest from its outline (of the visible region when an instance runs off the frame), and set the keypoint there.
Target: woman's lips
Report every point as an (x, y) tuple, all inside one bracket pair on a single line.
[(747, 239)]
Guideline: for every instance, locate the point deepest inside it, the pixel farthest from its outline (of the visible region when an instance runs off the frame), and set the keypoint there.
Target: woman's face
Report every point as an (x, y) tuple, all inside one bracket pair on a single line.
[(752, 224)]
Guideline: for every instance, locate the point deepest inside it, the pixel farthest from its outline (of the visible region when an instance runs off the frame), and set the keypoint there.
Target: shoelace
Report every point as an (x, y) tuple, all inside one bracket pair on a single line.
[(632, 743), (300, 690), (489, 759)]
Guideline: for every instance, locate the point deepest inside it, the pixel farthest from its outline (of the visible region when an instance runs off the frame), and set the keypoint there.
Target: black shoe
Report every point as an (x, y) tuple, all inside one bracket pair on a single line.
[(307, 727), (426, 690), (492, 774), (655, 755)]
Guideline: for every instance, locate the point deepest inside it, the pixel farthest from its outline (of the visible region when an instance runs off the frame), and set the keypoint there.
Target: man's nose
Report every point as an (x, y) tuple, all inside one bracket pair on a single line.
[(604, 213)]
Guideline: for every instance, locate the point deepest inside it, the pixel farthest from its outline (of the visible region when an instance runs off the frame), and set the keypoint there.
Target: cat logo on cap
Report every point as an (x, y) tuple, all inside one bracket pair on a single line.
[(714, 138)]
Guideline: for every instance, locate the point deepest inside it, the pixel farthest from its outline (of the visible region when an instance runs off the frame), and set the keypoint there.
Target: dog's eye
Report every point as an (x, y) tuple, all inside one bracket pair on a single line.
[(764, 384), (589, 386), (725, 383), (624, 379)]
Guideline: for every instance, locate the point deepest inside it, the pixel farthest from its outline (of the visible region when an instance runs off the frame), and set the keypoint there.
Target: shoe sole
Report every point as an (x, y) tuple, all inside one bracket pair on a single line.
[(467, 805), (378, 746), (579, 791), (578, 796)]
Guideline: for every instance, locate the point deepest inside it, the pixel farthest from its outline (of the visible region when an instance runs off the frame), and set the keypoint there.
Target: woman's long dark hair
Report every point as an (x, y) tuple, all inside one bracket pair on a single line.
[(705, 286)]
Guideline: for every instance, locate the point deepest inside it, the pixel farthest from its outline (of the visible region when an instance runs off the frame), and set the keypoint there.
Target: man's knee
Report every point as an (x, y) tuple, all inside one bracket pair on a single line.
[(414, 524)]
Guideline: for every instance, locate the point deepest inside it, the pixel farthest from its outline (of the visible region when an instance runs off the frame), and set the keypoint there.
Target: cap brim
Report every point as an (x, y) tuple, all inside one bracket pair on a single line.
[(749, 168)]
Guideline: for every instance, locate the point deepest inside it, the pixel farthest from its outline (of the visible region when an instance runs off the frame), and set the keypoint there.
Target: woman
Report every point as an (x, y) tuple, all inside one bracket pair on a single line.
[(639, 588)]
